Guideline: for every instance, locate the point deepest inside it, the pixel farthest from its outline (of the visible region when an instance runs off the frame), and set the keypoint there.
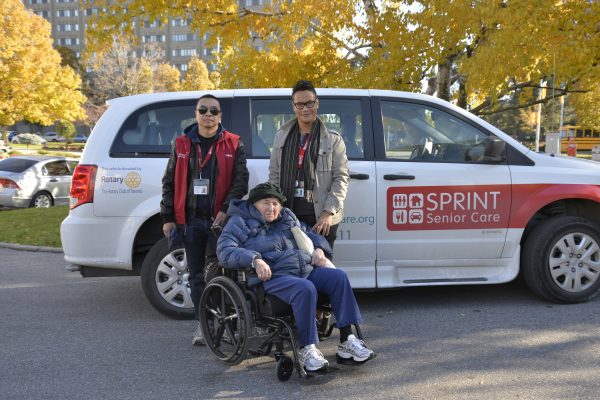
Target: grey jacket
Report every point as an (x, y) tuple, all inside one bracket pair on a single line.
[(331, 182)]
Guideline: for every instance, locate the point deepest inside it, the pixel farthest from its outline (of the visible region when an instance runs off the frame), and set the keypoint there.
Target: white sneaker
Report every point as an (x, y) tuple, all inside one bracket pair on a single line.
[(354, 348), (198, 338), (312, 359)]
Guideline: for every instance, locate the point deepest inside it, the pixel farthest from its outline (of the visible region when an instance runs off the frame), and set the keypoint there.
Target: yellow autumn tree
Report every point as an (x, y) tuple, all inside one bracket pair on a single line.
[(166, 78), (196, 76), (475, 53), (33, 84)]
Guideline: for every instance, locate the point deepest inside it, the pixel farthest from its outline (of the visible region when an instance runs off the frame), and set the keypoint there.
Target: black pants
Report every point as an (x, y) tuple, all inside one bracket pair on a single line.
[(200, 243), (311, 220)]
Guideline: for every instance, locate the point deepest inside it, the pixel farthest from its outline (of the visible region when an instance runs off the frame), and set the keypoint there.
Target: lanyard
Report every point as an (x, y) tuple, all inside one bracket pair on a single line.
[(202, 163), (302, 150)]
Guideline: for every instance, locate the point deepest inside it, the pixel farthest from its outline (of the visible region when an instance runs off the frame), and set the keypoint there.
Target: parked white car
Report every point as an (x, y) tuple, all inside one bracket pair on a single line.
[(437, 196), (53, 137)]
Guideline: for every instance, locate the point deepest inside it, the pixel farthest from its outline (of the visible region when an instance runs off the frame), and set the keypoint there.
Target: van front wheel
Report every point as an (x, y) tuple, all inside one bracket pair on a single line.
[(561, 259), (165, 281)]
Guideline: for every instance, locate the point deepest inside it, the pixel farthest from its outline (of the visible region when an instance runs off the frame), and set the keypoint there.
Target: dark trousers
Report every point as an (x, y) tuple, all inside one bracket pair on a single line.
[(199, 243), (311, 220)]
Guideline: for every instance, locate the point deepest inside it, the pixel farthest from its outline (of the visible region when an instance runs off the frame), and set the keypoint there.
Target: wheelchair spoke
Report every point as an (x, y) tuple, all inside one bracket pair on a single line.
[(230, 333)]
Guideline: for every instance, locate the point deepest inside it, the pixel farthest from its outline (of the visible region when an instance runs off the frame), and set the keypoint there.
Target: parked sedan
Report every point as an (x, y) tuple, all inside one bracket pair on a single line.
[(80, 138), (35, 181), (53, 137)]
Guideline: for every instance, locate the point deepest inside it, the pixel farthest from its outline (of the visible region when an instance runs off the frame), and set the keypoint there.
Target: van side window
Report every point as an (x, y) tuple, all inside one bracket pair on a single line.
[(341, 115), (150, 131), (267, 116), (416, 132)]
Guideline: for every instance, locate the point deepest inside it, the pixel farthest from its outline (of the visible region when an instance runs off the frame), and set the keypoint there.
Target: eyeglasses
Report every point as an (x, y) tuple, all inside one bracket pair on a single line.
[(213, 110), (309, 104)]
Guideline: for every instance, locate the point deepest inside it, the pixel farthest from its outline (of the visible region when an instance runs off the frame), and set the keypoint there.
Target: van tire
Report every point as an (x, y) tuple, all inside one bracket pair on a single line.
[(162, 265), (557, 238)]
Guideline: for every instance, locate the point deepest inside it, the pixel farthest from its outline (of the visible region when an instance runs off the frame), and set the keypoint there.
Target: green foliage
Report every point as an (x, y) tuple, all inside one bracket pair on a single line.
[(66, 129)]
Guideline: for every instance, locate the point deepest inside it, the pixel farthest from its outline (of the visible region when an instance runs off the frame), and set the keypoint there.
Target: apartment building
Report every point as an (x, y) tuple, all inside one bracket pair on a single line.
[(178, 42)]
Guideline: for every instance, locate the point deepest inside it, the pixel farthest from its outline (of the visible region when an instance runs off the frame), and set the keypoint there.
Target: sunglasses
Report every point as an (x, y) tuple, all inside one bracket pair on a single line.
[(213, 110)]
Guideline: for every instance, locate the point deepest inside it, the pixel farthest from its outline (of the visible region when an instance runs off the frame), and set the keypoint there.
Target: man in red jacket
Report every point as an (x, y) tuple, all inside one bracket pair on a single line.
[(206, 169)]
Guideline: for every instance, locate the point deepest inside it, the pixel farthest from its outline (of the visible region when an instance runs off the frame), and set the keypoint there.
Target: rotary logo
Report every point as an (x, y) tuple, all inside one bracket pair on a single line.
[(133, 180)]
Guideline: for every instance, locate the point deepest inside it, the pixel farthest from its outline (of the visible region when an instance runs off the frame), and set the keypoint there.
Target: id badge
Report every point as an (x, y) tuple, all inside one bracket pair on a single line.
[(201, 186), (299, 189)]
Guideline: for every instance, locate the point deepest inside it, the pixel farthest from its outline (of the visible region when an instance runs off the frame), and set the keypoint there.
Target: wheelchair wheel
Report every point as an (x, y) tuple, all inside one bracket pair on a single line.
[(226, 320), (211, 270), (285, 368)]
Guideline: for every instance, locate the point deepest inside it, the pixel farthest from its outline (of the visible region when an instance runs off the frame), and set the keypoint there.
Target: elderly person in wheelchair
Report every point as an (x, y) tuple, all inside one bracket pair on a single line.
[(259, 235)]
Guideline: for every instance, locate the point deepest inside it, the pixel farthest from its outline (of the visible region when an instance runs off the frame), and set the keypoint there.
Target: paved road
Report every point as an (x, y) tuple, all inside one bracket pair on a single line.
[(62, 336)]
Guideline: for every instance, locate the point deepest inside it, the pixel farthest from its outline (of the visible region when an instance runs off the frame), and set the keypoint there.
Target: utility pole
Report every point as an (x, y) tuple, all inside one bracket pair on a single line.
[(539, 118)]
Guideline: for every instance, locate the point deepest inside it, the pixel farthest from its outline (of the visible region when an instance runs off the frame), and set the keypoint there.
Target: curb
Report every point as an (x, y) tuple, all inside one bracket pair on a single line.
[(27, 247)]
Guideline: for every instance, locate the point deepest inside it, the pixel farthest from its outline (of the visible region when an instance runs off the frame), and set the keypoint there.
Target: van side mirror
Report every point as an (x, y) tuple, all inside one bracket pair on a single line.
[(494, 149)]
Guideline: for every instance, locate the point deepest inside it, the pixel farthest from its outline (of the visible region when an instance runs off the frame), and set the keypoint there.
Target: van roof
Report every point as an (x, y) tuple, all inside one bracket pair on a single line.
[(141, 99)]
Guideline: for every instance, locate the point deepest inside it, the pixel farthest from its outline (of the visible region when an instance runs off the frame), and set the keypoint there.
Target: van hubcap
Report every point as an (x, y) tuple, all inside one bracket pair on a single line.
[(575, 262), (172, 280)]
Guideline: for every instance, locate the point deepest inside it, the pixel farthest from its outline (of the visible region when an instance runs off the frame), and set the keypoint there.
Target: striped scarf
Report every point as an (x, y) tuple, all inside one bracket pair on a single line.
[(289, 162)]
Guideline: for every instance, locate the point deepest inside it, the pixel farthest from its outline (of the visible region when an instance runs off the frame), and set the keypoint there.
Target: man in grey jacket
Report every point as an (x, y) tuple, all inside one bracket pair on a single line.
[(309, 163)]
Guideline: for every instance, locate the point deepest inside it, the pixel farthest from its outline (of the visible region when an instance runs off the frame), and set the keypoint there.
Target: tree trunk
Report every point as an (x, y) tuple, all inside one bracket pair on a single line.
[(444, 80)]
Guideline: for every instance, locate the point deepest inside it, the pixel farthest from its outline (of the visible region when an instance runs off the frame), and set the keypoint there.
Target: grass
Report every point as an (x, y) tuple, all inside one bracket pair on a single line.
[(72, 150), (33, 226)]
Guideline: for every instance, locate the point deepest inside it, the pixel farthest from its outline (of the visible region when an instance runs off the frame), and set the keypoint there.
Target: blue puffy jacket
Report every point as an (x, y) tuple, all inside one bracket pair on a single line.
[(247, 235)]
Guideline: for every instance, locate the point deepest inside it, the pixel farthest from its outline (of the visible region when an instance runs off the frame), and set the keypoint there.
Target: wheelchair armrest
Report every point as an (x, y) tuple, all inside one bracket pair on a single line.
[(242, 274)]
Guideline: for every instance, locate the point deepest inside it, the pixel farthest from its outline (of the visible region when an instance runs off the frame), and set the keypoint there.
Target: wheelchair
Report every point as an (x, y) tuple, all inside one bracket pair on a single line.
[(238, 321)]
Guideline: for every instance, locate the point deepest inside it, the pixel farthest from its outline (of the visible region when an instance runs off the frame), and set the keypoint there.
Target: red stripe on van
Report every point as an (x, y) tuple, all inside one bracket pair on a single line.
[(529, 199)]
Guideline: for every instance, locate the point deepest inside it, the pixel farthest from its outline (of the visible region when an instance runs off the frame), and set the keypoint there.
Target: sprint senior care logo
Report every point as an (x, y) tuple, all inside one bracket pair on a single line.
[(448, 207), (120, 180)]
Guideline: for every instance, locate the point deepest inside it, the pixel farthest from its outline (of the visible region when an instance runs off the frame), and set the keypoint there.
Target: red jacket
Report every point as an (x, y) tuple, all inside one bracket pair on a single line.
[(225, 151)]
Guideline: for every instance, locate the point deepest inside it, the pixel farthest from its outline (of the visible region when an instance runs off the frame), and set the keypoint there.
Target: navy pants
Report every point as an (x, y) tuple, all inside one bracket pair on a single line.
[(199, 242), (302, 295)]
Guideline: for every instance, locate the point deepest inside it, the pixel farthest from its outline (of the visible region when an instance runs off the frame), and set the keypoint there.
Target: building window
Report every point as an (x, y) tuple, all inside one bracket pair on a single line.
[(184, 52), (152, 24), (153, 38), (183, 37), (67, 13), (180, 22)]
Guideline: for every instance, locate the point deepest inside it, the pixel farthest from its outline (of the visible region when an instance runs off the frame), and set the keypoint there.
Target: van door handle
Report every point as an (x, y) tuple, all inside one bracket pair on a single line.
[(360, 177), (53, 180), (395, 177)]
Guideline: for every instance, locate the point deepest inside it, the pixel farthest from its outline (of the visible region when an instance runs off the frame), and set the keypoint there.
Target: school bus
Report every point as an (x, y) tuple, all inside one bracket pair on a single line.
[(584, 138)]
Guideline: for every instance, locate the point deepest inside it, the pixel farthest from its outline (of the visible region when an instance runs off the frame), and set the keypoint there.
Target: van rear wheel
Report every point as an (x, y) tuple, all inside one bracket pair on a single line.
[(165, 281), (561, 259)]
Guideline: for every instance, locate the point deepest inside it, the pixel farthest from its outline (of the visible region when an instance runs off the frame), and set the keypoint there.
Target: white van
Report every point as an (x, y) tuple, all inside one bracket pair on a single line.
[(437, 196)]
